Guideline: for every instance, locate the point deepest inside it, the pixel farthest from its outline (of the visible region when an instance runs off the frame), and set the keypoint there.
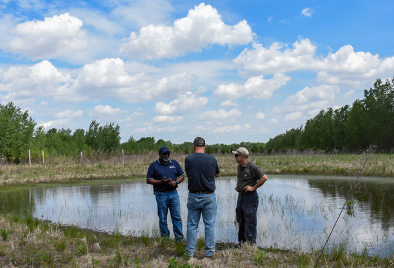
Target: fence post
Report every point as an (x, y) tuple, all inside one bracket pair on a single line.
[(29, 159), (122, 156), (81, 158), (43, 159)]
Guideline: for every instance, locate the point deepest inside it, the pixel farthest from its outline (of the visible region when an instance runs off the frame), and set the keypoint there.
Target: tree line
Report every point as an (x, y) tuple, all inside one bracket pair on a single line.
[(369, 121), (18, 134)]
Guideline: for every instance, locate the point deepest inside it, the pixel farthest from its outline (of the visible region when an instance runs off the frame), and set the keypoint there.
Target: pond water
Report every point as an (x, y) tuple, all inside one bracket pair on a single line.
[(295, 212)]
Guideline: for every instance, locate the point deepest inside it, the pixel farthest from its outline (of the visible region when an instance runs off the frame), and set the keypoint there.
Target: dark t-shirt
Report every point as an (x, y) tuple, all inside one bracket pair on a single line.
[(158, 170), (201, 169), (248, 175)]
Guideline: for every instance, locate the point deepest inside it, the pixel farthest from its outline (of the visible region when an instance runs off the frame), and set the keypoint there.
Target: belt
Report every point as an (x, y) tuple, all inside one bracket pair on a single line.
[(201, 192)]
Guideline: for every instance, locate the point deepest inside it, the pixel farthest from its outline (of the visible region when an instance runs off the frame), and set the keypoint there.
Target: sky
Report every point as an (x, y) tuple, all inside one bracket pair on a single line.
[(229, 71)]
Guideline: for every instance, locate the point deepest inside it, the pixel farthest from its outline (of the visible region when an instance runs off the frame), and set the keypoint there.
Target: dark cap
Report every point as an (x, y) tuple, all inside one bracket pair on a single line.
[(199, 142), (163, 149)]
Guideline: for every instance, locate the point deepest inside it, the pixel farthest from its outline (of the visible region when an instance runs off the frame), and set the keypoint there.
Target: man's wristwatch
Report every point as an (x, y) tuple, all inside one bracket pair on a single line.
[(177, 182)]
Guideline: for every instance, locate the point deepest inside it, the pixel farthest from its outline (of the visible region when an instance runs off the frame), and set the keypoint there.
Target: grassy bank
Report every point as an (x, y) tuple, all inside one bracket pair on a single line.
[(68, 169), (28, 242)]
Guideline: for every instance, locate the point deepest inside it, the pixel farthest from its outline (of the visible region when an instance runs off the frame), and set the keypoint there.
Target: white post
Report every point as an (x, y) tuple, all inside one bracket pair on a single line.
[(43, 158), (81, 157), (122, 156), (29, 159)]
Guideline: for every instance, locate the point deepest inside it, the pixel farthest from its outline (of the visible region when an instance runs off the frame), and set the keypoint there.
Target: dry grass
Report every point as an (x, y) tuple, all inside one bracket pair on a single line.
[(31, 243), (133, 166)]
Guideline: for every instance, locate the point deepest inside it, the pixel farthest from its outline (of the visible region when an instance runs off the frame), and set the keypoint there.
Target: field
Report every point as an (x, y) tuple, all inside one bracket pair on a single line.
[(63, 169)]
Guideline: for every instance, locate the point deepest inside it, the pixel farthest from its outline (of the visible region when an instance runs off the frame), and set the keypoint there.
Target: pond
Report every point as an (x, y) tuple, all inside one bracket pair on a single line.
[(295, 212)]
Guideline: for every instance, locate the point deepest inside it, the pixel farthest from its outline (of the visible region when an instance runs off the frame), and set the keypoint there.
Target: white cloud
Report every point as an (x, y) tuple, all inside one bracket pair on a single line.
[(310, 98), (261, 60), (134, 115), (293, 116), (260, 115), (349, 93), (98, 21), (56, 123), (342, 67), (143, 12), (105, 78), (270, 18), (307, 95), (43, 103), (168, 119), (69, 114), (228, 103), (57, 36), (254, 87), (185, 103), (41, 79), (260, 130), (203, 26), (154, 129), (273, 121), (105, 110), (307, 12), (221, 114), (108, 78), (235, 128)]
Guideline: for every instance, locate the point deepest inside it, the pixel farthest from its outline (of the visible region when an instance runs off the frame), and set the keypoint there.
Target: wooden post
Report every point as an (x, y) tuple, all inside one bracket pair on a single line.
[(43, 158), (81, 158), (122, 156), (29, 159)]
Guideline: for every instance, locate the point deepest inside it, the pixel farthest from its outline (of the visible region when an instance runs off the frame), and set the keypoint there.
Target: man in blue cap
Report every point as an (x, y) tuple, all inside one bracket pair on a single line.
[(165, 175)]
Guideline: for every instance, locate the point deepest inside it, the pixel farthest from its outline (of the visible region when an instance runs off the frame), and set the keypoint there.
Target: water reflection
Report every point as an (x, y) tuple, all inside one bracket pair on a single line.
[(294, 211)]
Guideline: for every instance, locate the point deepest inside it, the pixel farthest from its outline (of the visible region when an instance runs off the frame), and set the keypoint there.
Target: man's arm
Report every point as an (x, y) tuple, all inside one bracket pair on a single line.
[(261, 181), (158, 182), (217, 175)]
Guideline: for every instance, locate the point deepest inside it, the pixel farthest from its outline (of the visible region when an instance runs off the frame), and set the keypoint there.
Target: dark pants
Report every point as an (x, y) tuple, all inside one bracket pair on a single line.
[(246, 213)]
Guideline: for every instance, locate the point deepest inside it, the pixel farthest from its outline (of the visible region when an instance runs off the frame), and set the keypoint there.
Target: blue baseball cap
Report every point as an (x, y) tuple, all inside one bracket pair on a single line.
[(163, 149)]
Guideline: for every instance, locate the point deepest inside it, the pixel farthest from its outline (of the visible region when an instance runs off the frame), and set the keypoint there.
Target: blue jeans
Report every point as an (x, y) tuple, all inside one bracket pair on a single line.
[(165, 201), (198, 204)]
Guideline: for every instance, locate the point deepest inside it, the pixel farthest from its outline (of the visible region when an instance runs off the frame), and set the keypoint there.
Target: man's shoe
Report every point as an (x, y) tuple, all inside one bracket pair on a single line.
[(214, 256)]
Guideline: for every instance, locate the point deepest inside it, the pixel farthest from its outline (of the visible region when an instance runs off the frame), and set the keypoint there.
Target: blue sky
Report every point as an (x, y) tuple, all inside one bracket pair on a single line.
[(229, 71)]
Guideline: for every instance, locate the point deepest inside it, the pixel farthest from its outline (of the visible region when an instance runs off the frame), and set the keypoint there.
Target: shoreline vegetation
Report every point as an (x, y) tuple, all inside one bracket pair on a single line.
[(67, 170), (30, 242)]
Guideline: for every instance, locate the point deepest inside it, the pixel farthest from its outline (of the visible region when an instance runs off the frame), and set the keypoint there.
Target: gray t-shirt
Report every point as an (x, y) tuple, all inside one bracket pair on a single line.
[(248, 175)]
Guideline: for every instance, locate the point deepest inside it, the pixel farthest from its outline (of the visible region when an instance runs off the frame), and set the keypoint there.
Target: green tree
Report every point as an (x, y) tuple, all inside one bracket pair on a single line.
[(378, 104), (103, 138), (16, 131)]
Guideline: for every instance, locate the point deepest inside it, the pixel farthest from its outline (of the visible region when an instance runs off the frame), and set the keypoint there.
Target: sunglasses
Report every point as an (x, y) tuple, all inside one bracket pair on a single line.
[(166, 153), (238, 155)]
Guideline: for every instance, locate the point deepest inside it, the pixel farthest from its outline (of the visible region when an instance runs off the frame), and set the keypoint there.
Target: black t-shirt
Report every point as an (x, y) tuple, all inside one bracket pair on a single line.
[(201, 169)]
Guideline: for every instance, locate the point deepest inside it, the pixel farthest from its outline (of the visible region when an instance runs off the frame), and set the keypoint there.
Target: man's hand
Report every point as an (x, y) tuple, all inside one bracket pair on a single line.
[(165, 180), (172, 183), (236, 189), (249, 188)]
